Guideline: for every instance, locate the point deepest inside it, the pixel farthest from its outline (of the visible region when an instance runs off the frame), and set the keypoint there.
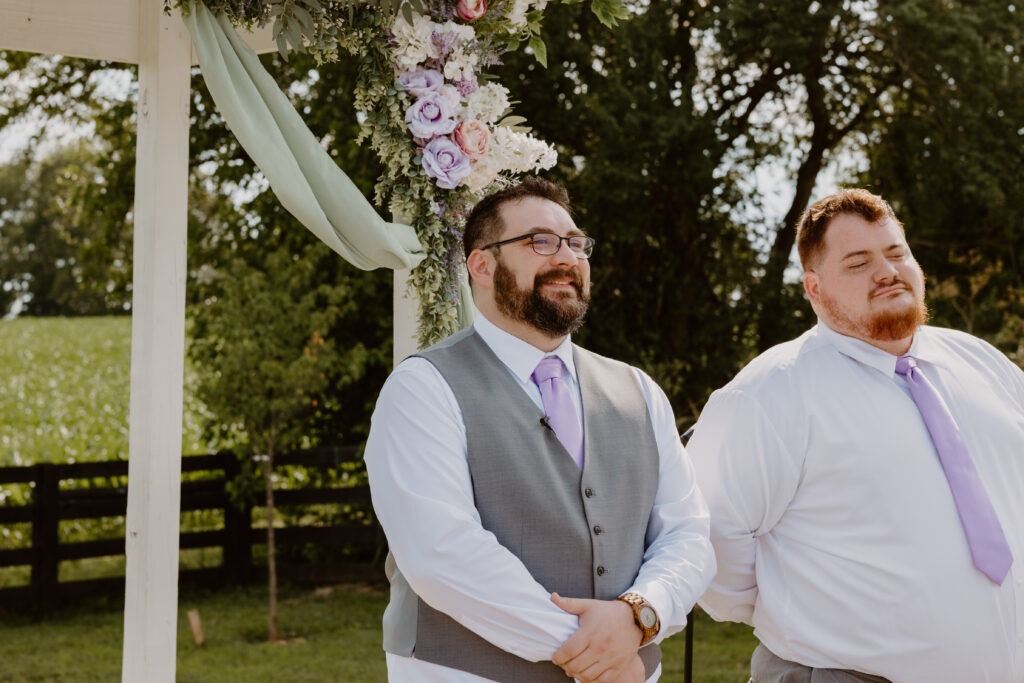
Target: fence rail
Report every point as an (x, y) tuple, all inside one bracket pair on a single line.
[(96, 490)]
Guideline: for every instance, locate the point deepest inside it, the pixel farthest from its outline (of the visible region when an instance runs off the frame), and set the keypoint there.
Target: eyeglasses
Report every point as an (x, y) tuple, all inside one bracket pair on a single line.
[(548, 243)]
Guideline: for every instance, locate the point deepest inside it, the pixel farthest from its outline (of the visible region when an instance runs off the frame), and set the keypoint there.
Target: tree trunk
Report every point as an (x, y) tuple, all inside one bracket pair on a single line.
[(772, 327), (268, 471)]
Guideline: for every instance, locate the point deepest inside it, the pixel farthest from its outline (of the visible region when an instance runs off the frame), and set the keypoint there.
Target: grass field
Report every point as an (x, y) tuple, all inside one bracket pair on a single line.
[(333, 637), (64, 391)]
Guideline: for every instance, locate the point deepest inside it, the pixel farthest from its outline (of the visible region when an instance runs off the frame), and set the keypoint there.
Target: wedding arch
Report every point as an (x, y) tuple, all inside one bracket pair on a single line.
[(444, 133)]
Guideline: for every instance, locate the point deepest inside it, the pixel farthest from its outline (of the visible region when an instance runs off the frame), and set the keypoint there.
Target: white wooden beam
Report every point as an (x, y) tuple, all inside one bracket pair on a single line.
[(92, 29), (95, 29), (158, 349)]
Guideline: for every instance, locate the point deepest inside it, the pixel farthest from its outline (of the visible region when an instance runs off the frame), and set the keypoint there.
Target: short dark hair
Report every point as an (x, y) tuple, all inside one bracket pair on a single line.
[(813, 224), (484, 224)]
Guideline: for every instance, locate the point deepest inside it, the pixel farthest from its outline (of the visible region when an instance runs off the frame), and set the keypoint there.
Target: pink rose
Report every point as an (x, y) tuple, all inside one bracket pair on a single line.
[(473, 138), (471, 10)]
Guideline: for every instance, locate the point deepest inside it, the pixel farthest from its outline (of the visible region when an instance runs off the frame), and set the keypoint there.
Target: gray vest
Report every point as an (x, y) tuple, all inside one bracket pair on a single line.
[(580, 534)]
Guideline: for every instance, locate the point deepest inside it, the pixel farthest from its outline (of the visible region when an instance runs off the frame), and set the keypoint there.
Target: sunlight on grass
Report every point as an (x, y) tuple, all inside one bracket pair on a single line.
[(332, 634), (64, 391)]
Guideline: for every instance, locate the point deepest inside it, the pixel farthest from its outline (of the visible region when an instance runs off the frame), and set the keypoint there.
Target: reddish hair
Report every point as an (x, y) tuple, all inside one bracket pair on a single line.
[(813, 224)]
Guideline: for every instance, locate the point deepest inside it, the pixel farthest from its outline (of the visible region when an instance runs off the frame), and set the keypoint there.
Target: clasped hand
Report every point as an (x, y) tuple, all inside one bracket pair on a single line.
[(605, 647)]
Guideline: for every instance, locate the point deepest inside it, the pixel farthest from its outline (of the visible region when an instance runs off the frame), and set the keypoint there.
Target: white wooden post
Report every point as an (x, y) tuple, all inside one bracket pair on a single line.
[(157, 363), (406, 315)]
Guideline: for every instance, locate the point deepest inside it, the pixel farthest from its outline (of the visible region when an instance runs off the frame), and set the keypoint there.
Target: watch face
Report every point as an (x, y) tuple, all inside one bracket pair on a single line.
[(648, 617)]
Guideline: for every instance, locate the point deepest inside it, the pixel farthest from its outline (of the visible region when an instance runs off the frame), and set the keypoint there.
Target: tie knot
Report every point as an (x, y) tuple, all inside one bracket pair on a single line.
[(904, 364), (547, 368)]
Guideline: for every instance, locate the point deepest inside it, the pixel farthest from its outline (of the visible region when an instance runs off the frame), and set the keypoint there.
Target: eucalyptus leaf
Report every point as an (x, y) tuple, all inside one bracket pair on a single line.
[(540, 50)]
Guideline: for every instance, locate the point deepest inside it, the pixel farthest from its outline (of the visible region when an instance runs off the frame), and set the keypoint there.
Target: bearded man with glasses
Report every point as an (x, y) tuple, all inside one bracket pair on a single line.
[(540, 510)]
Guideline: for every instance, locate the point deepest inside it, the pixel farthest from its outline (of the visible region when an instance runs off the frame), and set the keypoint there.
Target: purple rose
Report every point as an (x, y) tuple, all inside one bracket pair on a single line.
[(444, 161), (430, 115), (421, 82)]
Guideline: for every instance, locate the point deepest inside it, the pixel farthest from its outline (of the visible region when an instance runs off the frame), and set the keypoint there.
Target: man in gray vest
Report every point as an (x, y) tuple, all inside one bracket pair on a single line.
[(540, 510)]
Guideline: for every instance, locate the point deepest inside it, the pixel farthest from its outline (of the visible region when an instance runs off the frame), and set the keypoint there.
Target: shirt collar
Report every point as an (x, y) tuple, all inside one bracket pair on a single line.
[(924, 349), (519, 356), (859, 350)]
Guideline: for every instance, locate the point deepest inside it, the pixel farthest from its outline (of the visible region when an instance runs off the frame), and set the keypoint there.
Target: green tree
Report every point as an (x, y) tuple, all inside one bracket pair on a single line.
[(678, 128), (50, 239), (265, 361), (952, 159)]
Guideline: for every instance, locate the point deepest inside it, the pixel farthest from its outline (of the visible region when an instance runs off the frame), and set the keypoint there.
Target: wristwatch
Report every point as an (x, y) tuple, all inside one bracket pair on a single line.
[(644, 616)]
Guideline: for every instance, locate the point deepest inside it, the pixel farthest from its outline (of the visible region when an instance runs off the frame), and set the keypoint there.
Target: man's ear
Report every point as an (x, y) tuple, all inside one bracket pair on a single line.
[(480, 265), (812, 286)]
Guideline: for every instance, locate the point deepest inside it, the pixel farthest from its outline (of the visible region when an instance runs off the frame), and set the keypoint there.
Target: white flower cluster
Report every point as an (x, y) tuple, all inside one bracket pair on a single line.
[(414, 42), (517, 13), (488, 103), (518, 152)]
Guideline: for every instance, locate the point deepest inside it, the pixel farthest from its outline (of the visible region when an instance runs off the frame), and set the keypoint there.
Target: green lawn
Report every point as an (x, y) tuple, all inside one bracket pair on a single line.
[(333, 636), (64, 391)]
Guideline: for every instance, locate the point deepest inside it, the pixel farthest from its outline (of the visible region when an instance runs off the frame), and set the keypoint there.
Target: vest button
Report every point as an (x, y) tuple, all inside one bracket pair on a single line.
[(601, 571), (597, 529), (588, 492)]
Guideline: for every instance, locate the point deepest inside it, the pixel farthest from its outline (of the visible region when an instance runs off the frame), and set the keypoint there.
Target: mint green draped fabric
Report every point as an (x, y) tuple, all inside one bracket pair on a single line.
[(301, 173)]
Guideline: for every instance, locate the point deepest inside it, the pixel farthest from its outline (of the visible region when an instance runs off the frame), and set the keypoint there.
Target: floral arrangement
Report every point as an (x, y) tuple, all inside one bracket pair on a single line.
[(453, 118), (444, 133)]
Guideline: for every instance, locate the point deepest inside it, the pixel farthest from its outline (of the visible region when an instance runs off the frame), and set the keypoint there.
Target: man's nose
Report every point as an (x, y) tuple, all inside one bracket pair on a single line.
[(887, 271)]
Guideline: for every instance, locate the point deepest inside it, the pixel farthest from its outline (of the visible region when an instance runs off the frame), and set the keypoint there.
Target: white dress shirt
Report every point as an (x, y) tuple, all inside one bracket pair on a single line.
[(836, 534), (423, 496)]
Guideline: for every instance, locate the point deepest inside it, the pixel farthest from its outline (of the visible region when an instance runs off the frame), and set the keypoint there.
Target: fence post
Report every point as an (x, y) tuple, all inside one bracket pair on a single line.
[(45, 522), (237, 527)]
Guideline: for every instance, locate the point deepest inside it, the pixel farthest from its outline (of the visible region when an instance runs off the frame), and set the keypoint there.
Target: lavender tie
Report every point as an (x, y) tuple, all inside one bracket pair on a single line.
[(559, 408), (989, 550)]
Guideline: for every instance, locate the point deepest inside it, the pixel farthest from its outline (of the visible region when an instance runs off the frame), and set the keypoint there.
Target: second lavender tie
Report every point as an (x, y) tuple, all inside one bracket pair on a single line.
[(989, 549), (559, 408)]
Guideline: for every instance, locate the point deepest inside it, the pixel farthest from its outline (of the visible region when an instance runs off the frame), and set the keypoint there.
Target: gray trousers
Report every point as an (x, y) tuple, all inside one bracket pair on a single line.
[(765, 667)]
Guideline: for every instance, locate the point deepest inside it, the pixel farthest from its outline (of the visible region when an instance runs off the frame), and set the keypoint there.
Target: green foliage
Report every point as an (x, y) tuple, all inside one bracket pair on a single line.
[(952, 160), (255, 226), (262, 351), (665, 124), (60, 252)]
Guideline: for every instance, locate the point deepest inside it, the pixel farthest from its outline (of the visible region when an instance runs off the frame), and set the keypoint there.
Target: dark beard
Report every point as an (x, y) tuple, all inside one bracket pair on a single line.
[(554, 318)]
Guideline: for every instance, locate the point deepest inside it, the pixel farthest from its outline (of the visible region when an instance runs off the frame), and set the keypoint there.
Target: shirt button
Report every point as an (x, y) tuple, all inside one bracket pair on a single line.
[(598, 530), (589, 493), (601, 571)]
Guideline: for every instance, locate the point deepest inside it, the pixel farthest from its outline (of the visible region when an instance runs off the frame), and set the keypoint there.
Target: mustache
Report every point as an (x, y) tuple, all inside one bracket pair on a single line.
[(897, 280)]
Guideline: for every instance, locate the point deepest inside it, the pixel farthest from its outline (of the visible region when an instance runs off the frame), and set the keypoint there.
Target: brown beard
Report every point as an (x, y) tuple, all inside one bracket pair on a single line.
[(885, 326), (899, 325), (555, 318)]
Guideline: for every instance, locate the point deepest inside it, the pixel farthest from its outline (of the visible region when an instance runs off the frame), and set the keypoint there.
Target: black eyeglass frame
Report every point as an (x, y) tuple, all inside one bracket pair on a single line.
[(588, 243)]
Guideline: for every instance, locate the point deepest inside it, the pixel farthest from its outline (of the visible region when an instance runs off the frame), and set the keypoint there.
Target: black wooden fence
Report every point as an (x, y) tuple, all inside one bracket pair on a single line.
[(51, 503), (88, 491)]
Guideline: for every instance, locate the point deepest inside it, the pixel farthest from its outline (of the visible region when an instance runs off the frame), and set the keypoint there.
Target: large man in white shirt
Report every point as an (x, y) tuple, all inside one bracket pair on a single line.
[(834, 525), (508, 557)]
